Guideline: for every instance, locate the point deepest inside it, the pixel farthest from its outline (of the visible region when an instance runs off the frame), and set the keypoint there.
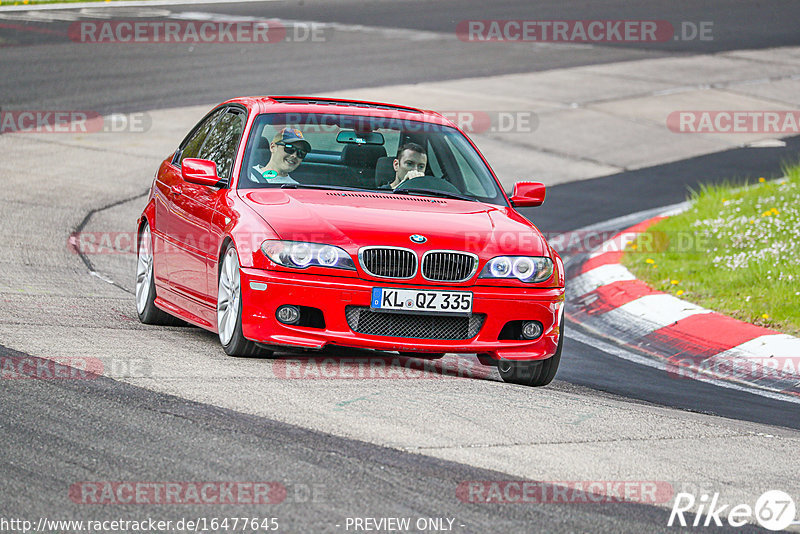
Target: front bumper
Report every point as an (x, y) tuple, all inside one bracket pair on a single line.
[(332, 295)]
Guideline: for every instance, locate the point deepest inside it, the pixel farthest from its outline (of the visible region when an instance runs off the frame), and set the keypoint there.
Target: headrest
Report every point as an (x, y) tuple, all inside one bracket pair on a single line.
[(384, 171), (362, 156)]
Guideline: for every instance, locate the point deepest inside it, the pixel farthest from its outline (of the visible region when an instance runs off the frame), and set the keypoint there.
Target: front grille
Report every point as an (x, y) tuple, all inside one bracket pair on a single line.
[(418, 326), (387, 262), (448, 266)]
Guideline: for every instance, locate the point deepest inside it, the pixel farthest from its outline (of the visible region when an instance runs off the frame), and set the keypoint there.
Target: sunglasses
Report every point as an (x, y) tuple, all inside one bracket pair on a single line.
[(289, 149)]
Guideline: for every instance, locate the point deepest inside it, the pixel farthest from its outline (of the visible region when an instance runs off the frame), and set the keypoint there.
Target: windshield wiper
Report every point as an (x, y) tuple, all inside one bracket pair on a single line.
[(433, 193), (329, 187)]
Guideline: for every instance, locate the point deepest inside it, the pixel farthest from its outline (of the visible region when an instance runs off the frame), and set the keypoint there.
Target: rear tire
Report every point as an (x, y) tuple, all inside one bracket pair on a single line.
[(229, 310), (536, 373), (146, 285)]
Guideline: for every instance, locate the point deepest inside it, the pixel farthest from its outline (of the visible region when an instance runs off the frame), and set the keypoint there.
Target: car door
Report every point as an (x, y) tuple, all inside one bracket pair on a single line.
[(178, 234), (168, 184), (195, 206)]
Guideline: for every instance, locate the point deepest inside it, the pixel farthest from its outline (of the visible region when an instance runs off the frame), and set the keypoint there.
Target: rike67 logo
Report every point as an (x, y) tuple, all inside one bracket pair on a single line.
[(774, 510)]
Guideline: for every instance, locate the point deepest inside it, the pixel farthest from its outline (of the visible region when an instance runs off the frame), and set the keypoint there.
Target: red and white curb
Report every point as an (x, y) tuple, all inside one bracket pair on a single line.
[(607, 299)]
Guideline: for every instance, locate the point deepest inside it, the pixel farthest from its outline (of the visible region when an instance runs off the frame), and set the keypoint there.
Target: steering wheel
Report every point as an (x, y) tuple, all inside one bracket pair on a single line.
[(429, 182)]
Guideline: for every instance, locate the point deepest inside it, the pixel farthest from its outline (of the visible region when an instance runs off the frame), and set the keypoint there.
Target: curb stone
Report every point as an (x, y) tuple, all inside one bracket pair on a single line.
[(607, 298)]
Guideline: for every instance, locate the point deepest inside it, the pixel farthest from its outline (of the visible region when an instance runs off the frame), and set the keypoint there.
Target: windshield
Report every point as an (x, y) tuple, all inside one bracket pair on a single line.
[(361, 152)]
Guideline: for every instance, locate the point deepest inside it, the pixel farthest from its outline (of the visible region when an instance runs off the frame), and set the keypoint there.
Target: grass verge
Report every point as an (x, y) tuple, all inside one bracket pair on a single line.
[(736, 250)]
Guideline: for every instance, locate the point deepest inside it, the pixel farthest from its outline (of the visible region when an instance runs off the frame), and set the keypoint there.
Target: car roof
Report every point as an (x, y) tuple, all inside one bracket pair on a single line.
[(338, 106)]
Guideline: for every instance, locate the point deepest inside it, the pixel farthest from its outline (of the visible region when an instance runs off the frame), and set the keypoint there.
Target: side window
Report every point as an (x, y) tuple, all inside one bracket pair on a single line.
[(221, 142), (433, 163), (191, 147), (472, 182), (391, 141)]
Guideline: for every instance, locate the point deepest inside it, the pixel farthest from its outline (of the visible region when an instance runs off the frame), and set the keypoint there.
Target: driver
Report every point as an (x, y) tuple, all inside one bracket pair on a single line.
[(287, 150), (410, 163)]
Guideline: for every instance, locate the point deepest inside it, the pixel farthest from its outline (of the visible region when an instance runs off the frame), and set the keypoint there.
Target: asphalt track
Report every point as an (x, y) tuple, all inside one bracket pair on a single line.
[(64, 431), (327, 478), (124, 78)]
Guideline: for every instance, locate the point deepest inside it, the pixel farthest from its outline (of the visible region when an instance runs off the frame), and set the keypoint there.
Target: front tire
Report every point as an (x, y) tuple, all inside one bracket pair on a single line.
[(537, 373), (423, 355), (229, 310), (146, 285)]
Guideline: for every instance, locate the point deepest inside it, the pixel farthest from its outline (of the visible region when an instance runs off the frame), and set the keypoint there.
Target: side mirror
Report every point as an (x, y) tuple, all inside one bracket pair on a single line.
[(527, 194), (202, 172)]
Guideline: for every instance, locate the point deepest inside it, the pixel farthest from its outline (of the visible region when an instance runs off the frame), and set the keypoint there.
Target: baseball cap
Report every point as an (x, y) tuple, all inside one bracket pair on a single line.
[(293, 136)]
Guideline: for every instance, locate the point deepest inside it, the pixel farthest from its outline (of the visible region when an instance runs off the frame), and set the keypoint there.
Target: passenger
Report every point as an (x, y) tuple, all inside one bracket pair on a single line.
[(287, 150), (410, 163)]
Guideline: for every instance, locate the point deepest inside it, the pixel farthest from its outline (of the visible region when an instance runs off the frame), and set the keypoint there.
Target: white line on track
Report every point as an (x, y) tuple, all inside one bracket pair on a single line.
[(140, 3), (101, 11), (392, 33), (619, 223)]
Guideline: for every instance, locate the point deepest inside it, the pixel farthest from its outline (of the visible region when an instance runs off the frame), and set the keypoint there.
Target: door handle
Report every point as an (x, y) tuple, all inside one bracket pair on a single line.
[(176, 191)]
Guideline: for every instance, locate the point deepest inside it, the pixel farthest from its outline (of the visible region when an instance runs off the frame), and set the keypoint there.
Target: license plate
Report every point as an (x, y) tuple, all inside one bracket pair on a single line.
[(418, 300)]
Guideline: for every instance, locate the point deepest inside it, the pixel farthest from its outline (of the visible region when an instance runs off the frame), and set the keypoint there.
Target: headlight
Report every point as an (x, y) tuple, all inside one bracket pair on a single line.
[(328, 256), (299, 255), (523, 268), (499, 267)]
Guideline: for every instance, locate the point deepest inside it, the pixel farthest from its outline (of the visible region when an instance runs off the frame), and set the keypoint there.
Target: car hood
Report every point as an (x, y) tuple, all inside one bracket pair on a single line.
[(353, 219)]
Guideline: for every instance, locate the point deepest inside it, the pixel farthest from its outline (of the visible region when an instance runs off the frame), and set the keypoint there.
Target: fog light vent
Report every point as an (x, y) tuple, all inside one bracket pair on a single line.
[(531, 329), (288, 314), (521, 330)]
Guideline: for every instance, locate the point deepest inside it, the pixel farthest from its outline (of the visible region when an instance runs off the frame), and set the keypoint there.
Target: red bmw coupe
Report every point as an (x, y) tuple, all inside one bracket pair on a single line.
[(299, 222)]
